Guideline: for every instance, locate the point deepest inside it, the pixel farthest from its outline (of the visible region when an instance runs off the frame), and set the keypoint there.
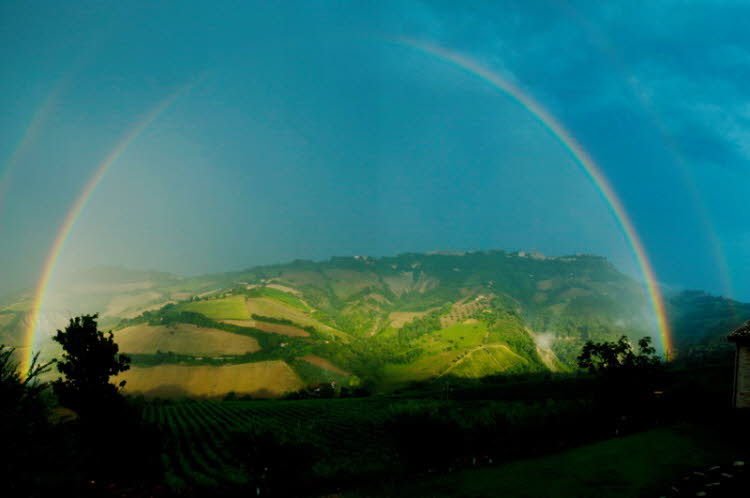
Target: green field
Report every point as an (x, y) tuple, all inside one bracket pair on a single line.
[(198, 435), (458, 336), (351, 441), (228, 308), (278, 295), (459, 350), (349, 436)]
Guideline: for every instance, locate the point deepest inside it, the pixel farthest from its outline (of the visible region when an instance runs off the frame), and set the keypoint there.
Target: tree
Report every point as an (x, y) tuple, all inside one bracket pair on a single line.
[(606, 358), (627, 380), (90, 358), (31, 452)]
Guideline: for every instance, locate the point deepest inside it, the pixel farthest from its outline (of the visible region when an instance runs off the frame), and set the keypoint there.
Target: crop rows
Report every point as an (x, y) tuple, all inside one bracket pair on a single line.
[(198, 435)]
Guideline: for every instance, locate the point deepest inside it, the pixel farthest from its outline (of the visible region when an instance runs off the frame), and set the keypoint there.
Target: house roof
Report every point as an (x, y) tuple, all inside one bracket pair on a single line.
[(741, 333)]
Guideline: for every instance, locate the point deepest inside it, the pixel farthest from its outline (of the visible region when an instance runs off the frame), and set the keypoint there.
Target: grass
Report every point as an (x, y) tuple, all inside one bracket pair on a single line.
[(280, 296), (269, 307), (444, 347), (458, 336), (488, 360), (228, 308), (422, 368), (638, 465)]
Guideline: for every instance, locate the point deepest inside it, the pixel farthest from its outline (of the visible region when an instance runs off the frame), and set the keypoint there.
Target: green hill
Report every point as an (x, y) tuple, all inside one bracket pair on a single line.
[(382, 321)]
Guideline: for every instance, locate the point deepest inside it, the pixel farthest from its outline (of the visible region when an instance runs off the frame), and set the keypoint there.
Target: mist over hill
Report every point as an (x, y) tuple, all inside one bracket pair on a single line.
[(382, 322)]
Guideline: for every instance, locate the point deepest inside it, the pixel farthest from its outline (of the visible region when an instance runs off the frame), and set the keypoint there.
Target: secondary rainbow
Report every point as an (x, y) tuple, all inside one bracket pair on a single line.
[(38, 120), (579, 154), (72, 215)]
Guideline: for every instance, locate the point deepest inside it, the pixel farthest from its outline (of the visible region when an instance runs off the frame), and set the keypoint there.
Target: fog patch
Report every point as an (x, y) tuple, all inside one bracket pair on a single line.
[(544, 340)]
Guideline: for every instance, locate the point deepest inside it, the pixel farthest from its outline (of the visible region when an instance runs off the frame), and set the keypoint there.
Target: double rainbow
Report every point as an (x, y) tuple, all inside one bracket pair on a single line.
[(540, 114), (72, 215)]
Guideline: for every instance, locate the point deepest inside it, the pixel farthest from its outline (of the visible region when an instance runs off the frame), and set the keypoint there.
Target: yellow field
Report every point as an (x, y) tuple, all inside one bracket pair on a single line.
[(270, 307), (324, 364), (283, 329), (265, 379), (183, 338)]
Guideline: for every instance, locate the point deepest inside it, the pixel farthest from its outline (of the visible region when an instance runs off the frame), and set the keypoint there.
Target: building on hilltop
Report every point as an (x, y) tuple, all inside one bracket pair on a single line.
[(741, 391)]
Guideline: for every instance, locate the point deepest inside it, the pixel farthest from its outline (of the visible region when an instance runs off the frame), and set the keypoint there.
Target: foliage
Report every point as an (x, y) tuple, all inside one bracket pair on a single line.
[(90, 358), (28, 439), (419, 327), (608, 357), (628, 380)]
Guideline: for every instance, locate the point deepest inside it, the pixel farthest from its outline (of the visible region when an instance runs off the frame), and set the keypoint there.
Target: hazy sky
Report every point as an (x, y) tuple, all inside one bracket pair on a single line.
[(310, 129)]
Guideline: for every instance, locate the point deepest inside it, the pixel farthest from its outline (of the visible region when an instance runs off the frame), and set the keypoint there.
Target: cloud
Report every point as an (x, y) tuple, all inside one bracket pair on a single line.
[(686, 66)]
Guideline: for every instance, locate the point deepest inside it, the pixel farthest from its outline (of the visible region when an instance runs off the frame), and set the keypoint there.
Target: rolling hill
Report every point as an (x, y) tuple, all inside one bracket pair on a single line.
[(358, 320)]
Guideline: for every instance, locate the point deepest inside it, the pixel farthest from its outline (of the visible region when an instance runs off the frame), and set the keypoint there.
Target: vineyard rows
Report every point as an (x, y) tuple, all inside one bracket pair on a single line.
[(198, 435)]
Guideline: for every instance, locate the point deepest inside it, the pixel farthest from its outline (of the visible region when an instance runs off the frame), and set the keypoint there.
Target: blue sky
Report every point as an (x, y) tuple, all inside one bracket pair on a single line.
[(310, 131)]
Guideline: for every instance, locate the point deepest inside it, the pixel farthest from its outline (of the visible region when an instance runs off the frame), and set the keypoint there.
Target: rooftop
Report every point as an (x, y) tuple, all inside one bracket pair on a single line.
[(741, 333)]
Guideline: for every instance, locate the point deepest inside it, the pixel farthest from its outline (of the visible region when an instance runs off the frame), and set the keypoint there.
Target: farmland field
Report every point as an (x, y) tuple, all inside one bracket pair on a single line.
[(229, 308), (198, 434), (183, 338), (269, 307), (349, 436), (263, 379)]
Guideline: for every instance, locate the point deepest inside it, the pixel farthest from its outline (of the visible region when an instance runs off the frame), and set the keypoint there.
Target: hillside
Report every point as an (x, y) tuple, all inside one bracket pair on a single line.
[(384, 322)]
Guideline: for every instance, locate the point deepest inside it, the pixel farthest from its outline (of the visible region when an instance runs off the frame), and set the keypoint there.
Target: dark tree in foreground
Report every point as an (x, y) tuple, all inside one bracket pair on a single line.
[(118, 448), (32, 451), (628, 380), (90, 358)]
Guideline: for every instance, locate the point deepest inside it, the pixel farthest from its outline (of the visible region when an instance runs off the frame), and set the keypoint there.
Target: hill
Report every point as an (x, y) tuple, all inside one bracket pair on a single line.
[(383, 322)]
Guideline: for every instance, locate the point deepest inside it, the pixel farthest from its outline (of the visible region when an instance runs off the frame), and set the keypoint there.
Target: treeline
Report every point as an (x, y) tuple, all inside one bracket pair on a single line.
[(284, 321)]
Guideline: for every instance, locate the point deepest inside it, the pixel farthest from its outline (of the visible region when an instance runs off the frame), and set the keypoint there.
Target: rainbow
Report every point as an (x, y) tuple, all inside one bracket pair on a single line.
[(37, 122), (579, 154), (71, 216), (667, 138)]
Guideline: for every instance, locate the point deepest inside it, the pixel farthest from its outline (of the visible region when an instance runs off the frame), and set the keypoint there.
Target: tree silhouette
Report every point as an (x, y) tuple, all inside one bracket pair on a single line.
[(627, 381), (31, 449), (606, 358), (90, 358)]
